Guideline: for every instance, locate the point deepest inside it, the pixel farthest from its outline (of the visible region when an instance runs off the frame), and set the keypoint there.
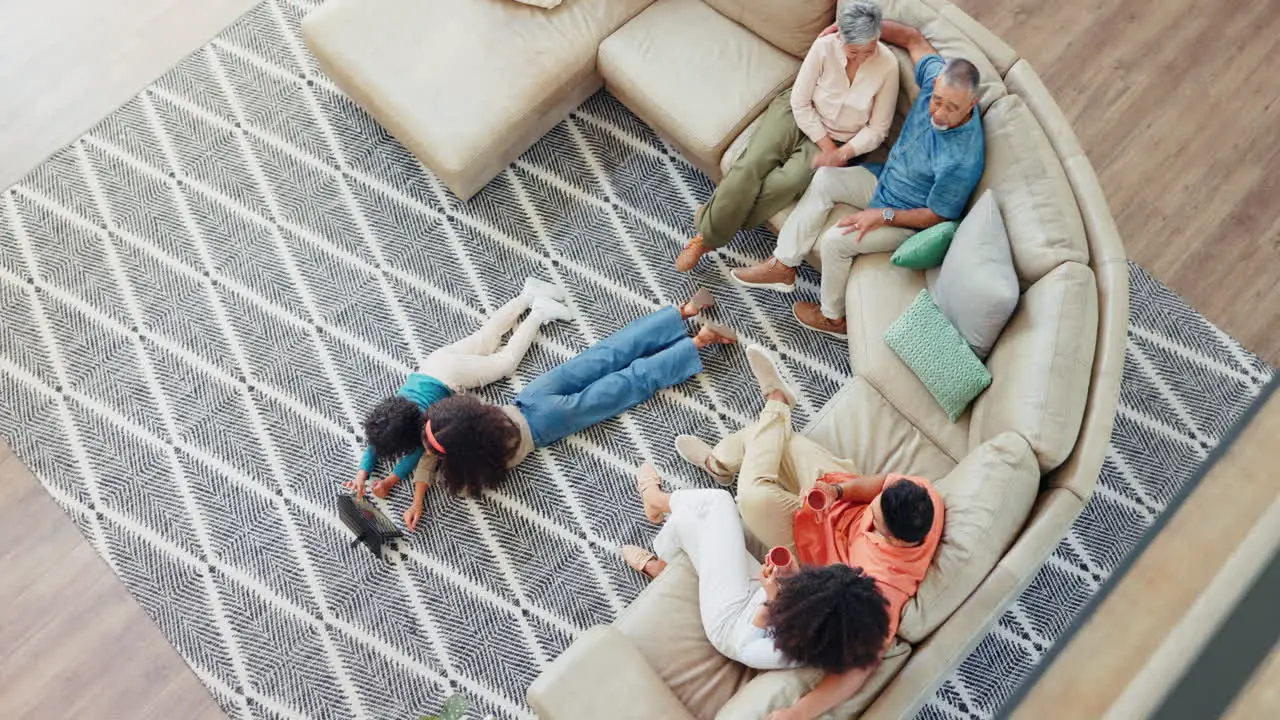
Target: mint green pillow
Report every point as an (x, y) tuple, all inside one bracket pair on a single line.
[(927, 248), (939, 355)]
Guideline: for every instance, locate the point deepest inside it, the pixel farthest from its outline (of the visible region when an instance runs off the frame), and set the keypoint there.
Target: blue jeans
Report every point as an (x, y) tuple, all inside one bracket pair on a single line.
[(610, 377)]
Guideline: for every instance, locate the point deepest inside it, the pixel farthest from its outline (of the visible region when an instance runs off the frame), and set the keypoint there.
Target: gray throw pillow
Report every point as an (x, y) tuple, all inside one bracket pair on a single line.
[(977, 287)]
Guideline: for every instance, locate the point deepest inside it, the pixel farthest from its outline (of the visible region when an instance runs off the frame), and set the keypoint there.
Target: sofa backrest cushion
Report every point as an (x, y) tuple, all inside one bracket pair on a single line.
[(949, 41), (1039, 208), (790, 25), (1041, 365), (987, 498)]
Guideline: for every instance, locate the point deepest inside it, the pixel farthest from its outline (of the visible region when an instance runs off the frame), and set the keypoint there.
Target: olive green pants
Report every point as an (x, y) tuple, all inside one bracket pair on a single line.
[(770, 174)]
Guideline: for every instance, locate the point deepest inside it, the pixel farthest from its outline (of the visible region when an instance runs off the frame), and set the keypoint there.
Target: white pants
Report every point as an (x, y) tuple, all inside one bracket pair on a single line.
[(476, 361), (705, 524), (851, 185)]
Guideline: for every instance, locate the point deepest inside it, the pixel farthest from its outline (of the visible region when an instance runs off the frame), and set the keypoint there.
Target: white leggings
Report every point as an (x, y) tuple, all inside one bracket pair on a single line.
[(476, 361)]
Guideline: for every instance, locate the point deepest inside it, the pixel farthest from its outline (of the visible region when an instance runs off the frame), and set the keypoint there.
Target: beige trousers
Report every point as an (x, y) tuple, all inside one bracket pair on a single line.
[(775, 467), (803, 229)]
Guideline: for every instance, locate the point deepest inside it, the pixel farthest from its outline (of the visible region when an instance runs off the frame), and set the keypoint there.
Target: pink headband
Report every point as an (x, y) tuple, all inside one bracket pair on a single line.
[(431, 438)]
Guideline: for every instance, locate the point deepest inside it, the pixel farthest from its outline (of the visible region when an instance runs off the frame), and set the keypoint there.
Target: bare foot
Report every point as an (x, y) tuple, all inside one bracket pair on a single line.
[(778, 395), (382, 488), (643, 561), (654, 567), (714, 334), (700, 301)]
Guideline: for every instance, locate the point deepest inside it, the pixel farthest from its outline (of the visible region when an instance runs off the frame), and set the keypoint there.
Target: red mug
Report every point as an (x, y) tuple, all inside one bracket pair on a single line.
[(817, 499), (779, 557)]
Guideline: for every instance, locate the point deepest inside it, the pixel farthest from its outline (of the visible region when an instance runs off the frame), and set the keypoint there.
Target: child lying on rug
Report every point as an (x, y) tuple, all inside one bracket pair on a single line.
[(393, 428), (833, 618), (472, 444)]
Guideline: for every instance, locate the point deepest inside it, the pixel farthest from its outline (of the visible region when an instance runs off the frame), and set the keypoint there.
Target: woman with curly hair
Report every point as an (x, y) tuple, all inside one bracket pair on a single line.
[(393, 428), (833, 618), (471, 444)]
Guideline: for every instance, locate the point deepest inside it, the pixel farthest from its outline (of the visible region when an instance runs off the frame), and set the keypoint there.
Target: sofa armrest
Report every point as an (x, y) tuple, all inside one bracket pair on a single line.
[(602, 675)]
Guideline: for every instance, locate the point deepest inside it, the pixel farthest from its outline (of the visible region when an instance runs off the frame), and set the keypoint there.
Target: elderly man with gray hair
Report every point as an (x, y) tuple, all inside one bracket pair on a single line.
[(840, 106), (930, 174)]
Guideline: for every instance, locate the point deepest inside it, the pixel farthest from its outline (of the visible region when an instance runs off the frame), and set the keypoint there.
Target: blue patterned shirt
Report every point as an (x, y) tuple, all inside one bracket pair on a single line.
[(928, 167)]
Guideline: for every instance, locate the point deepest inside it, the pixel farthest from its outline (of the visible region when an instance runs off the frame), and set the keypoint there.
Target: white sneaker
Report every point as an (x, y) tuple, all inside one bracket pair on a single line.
[(766, 367), (541, 288), (549, 310), (698, 453)]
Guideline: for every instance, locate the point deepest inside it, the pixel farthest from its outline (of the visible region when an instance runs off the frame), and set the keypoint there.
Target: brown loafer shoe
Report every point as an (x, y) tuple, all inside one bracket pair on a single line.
[(691, 254), (810, 315), (769, 275)]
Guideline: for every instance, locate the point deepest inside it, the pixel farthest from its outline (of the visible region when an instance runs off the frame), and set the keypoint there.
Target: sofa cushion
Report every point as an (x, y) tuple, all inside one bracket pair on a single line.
[(878, 293), (1041, 366), (587, 679), (790, 25), (949, 41), (859, 424), (777, 689), (938, 354), (1040, 211), (694, 75), (987, 498), (927, 248), (977, 287), (465, 126), (665, 626)]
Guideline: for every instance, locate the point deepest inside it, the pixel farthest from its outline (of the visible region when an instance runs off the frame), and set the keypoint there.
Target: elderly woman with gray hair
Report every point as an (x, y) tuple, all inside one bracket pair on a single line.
[(840, 107)]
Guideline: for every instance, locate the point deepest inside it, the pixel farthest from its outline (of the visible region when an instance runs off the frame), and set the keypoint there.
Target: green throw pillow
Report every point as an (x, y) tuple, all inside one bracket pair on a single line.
[(927, 248), (936, 352)]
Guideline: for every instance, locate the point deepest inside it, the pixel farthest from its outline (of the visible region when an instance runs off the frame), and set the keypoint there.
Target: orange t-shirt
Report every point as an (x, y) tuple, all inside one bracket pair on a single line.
[(847, 535)]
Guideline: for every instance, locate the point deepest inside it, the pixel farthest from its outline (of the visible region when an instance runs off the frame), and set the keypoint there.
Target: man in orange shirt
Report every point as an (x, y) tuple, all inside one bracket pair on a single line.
[(888, 525)]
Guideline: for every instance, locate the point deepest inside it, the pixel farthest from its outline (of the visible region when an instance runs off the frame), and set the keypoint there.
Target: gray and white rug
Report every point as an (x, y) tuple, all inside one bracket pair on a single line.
[(201, 296)]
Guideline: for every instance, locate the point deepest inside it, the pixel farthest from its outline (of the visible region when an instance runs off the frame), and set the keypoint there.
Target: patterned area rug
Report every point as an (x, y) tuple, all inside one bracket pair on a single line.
[(201, 296)]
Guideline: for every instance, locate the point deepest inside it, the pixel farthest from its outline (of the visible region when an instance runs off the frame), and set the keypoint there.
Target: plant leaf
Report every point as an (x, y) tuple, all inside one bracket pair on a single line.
[(454, 708)]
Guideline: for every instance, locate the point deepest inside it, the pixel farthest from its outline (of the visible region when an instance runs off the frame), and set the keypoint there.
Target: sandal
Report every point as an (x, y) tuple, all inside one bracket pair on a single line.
[(725, 335), (639, 558), (647, 477)]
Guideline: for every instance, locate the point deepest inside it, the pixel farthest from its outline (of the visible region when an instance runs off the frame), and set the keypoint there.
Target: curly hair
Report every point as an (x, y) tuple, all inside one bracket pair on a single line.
[(394, 426), (908, 511), (478, 439), (833, 618)]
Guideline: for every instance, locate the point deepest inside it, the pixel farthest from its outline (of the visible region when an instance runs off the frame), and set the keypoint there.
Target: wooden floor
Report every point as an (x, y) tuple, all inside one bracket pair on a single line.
[(1175, 102), (1123, 661)]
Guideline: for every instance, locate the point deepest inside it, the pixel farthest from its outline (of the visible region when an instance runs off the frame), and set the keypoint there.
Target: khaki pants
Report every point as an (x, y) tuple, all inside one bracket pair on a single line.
[(850, 185), (775, 468), (769, 175)]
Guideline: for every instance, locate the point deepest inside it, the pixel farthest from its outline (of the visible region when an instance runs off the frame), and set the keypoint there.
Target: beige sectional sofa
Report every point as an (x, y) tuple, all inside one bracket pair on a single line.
[(1015, 470)]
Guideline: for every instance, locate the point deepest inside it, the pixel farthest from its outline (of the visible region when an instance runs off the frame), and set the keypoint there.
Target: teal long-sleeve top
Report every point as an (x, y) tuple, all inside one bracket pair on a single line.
[(423, 390)]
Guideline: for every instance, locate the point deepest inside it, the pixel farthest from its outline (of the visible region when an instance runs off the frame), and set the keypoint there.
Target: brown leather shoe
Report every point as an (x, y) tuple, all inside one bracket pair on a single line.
[(770, 274), (810, 315), (691, 254)]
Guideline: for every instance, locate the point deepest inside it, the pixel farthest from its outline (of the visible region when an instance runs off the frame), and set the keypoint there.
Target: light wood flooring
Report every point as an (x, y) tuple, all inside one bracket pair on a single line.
[(1124, 660), (1175, 102)]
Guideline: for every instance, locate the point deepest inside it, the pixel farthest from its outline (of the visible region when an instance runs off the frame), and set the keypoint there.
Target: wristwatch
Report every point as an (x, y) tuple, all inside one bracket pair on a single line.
[(887, 215)]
